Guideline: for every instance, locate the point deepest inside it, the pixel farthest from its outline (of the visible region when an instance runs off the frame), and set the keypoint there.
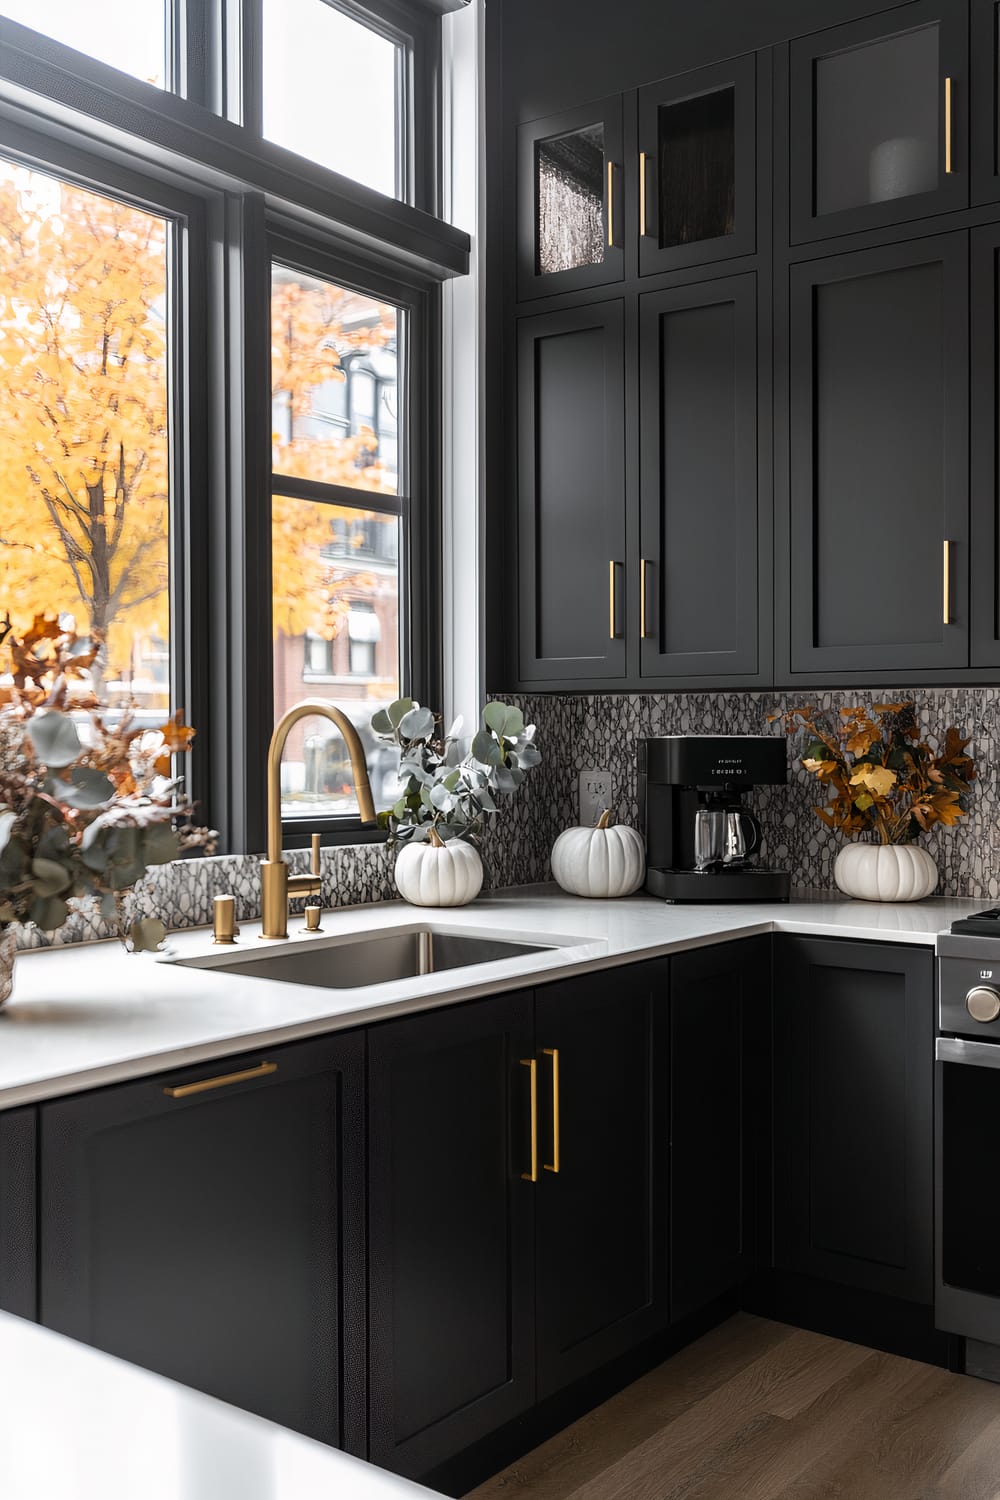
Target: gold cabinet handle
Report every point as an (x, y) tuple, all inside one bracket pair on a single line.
[(532, 1066), (948, 163), (642, 194), (946, 581), (612, 603), (553, 1052), (184, 1090), (643, 629), (611, 205)]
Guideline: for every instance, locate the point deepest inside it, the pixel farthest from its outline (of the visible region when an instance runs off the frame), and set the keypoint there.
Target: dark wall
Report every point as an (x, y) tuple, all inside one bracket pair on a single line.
[(558, 53)]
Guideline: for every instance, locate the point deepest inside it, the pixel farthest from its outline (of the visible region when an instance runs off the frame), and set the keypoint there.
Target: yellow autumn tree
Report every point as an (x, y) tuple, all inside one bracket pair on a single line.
[(83, 399)]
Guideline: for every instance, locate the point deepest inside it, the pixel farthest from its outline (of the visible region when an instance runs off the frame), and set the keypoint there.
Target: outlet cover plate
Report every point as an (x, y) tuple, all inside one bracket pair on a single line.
[(596, 792)]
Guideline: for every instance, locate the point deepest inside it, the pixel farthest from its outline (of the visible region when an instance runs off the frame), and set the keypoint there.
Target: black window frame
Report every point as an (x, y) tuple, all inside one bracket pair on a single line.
[(78, 117)]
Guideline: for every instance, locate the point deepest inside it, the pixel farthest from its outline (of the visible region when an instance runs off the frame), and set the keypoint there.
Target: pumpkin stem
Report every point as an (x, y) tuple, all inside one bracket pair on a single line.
[(604, 821), (435, 839)]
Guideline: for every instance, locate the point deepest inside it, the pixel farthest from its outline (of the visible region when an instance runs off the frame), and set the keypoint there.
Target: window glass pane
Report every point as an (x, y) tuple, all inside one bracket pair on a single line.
[(336, 636), (333, 383), (84, 474), (128, 34), (330, 91)]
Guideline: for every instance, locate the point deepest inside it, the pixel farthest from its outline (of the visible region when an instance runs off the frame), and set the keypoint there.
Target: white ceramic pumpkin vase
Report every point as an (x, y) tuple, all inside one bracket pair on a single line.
[(885, 872), (608, 860), (435, 873)]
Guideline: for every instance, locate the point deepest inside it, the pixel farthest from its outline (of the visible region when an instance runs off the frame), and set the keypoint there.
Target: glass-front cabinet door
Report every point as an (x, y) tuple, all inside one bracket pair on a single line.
[(571, 200), (697, 167), (878, 124)]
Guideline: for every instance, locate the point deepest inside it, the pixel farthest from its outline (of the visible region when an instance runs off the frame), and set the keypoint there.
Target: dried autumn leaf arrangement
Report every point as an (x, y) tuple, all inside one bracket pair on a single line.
[(884, 780)]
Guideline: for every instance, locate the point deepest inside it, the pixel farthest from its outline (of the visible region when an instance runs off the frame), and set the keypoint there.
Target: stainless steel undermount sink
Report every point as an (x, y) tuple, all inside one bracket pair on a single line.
[(369, 958)]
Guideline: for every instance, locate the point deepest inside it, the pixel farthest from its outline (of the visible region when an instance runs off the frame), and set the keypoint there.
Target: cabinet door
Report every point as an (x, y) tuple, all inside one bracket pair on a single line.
[(215, 1233), (451, 1230), (571, 200), (602, 1189), (853, 1129), (698, 167), (984, 124), (571, 502), (878, 512), (699, 594), (878, 120), (985, 488), (18, 1212), (719, 1117)]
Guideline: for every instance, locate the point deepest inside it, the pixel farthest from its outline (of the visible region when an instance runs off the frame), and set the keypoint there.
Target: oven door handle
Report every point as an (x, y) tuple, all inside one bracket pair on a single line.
[(952, 1049)]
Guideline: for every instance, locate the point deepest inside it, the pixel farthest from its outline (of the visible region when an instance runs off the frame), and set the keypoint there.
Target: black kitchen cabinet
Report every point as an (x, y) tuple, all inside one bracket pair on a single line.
[(18, 1212), (208, 1224), (601, 1194), (697, 187), (853, 1126), (705, 539), (451, 1233), (571, 500), (878, 120), (877, 501), (985, 487), (720, 1044), (984, 127), (571, 200)]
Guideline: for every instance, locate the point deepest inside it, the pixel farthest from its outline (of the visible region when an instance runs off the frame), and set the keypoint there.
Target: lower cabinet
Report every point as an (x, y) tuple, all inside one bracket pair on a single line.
[(720, 1042), (208, 1224), (853, 1117), (18, 1218)]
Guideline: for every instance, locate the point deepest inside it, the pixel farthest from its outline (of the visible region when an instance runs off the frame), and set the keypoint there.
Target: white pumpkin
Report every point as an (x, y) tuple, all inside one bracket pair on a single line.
[(435, 873), (885, 872), (608, 860)]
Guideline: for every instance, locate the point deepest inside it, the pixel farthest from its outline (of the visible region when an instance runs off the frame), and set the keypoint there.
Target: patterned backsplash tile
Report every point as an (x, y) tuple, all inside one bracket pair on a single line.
[(583, 732)]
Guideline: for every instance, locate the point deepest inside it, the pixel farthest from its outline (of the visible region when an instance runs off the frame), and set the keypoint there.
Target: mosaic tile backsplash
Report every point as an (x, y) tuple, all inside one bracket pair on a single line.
[(584, 732)]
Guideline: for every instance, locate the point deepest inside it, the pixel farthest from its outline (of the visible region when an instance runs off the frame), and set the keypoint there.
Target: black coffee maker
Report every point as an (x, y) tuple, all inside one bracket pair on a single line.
[(701, 843)]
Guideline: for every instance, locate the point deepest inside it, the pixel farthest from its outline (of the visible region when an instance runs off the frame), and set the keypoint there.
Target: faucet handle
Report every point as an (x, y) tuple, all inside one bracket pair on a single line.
[(314, 859)]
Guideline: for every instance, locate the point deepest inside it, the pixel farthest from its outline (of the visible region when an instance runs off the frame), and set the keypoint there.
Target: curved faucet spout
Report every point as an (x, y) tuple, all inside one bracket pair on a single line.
[(304, 710)]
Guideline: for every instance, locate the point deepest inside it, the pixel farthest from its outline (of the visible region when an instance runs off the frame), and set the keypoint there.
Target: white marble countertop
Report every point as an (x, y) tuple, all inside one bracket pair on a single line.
[(83, 1016), (76, 1424)]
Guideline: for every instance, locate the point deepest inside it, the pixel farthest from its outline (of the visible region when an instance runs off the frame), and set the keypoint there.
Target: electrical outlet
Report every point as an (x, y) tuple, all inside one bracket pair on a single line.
[(596, 791)]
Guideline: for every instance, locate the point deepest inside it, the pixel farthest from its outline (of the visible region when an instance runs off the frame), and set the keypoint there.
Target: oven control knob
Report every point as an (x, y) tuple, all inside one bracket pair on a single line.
[(983, 1003)]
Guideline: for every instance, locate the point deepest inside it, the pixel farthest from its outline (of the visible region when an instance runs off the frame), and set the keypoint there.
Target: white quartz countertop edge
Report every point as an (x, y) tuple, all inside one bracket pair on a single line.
[(84, 1016)]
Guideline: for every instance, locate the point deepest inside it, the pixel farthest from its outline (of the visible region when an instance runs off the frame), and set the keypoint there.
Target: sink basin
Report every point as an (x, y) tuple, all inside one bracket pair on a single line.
[(369, 958)]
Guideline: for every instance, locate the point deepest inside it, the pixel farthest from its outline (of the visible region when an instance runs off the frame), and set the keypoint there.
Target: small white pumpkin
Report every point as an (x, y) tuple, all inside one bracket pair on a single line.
[(608, 860), (885, 872), (435, 873)]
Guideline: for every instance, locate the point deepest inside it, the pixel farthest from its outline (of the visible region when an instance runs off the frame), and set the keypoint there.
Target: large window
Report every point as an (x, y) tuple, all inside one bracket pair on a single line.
[(84, 417), (219, 397)]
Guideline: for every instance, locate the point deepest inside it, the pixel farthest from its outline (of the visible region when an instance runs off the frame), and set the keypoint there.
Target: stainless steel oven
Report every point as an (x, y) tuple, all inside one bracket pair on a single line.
[(967, 1132)]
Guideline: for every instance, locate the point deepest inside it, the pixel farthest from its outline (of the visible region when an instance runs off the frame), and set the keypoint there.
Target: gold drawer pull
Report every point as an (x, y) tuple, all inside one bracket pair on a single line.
[(553, 1052), (946, 581), (643, 629), (611, 205), (948, 164), (642, 193), (532, 1066), (184, 1090)]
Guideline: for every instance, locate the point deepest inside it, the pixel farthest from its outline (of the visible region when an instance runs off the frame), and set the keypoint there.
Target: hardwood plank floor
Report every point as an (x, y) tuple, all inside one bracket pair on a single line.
[(761, 1411)]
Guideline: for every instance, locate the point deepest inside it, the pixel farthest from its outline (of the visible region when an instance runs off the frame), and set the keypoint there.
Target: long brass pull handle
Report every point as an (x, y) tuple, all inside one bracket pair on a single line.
[(612, 609), (553, 1052), (948, 164), (532, 1066), (642, 194), (184, 1090), (946, 581), (643, 631), (611, 205)]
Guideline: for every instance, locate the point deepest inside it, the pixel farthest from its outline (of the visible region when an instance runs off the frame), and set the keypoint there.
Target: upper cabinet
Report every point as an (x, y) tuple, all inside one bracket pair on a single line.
[(878, 124), (571, 200), (697, 167), (985, 101)]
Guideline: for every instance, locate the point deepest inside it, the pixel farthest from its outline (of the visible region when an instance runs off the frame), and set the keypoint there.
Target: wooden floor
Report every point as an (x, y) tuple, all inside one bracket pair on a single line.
[(758, 1409)]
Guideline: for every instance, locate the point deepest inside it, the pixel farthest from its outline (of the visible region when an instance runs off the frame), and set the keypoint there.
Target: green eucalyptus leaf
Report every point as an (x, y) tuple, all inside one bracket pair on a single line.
[(397, 711), (85, 789), (486, 749), (147, 935), (13, 860), (381, 723), (109, 906), (159, 844), (504, 719), (54, 738), (49, 878), (418, 724), (48, 913)]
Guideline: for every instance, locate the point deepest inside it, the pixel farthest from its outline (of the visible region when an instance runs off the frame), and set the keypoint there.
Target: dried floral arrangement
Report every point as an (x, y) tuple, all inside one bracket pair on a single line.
[(884, 780), (81, 815)]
